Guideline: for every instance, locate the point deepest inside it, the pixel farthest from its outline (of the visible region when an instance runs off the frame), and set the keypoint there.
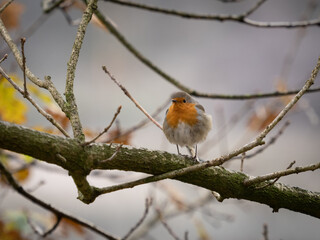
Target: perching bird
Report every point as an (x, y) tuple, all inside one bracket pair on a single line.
[(186, 122)]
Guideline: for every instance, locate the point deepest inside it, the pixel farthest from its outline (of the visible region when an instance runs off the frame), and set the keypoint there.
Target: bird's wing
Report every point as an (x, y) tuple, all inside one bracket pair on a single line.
[(200, 106)]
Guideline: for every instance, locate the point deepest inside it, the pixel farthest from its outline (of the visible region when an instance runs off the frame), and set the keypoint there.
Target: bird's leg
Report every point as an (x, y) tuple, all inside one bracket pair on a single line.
[(178, 149), (196, 154)]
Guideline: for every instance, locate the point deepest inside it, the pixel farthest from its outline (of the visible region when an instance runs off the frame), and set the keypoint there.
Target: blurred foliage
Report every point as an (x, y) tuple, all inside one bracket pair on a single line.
[(11, 15), (12, 108), (7, 233)]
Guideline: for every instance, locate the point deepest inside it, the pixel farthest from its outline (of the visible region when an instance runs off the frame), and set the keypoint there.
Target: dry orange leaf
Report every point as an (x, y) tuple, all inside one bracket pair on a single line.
[(202, 232), (22, 175), (175, 196), (9, 234), (12, 107), (94, 20), (114, 134), (281, 86), (58, 115), (261, 118), (11, 15), (67, 225)]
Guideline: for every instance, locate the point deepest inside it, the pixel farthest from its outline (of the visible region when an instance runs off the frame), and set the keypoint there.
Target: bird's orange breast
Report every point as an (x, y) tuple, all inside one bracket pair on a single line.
[(182, 112)]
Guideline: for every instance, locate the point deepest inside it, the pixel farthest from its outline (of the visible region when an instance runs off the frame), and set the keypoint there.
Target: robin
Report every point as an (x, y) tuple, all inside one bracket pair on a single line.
[(186, 122)]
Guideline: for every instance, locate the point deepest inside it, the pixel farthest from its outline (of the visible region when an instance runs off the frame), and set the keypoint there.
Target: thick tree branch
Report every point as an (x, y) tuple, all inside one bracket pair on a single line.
[(80, 159)]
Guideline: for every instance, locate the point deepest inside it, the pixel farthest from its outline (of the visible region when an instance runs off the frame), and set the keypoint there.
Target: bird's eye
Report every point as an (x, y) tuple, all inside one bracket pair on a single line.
[(184, 101)]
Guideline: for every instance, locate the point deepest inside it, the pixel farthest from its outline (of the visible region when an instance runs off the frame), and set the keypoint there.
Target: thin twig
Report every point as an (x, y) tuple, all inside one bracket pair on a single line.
[(268, 144), (141, 124), (5, 5), (29, 31), (49, 207), (220, 160), (275, 180), (40, 110), (35, 229), (223, 130), (113, 30), (106, 129), (265, 232), (243, 156), (166, 225), (254, 8), (241, 18), (174, 212), (54, 4), (48, 232), (186, 235), (131, 98), (113, 155), (25, 94), (72, 108), (5, 35), (146, 210), (46, 83), (4, 58), (54, 227), (279, 174)]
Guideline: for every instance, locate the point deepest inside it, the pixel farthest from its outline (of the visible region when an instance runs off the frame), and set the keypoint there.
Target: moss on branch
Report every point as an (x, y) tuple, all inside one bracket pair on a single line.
[(79, 161)]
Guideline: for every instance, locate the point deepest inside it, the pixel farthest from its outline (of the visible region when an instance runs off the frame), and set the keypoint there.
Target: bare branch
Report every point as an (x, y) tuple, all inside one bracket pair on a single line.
[(47, 84), (5, 5), (4, 33), (48, 232), (241, 18), (113, 155), (220, 160), (108, 24), (25, 94), (48, 207), (254, 8), (175, 212), (54, 227), (275, 180), (146, 210), (287, 172), (40, 110), (268, 144), (72, 109), (166, 225), (4, 58), (243, 156), (29, 31), (131, 98), (50, 7), (141, 124), (106, 129), (265, 232)]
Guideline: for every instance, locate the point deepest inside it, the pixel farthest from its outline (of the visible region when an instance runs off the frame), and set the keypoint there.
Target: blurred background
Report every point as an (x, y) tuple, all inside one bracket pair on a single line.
[(208, 56)]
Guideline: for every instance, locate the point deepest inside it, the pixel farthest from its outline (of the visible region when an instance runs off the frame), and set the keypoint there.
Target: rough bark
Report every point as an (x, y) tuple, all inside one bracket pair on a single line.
[(80, 160)]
